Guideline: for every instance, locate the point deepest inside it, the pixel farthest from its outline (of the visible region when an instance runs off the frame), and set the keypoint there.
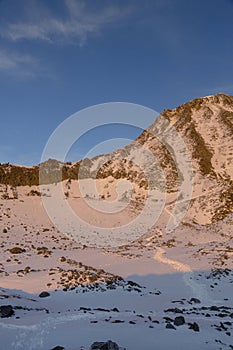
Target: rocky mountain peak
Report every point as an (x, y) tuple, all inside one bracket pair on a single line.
[(204, 125)]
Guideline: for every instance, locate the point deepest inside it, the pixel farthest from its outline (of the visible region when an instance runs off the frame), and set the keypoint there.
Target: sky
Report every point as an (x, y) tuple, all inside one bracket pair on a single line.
[(58, 57)]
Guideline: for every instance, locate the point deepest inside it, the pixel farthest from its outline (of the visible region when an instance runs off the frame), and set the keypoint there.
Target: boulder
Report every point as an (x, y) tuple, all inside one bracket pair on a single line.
[(6, 311), (44, 294), (17, 250), (179, 320)]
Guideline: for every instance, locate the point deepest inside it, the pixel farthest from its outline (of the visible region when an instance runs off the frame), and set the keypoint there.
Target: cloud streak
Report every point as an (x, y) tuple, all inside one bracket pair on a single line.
[(79, 22), (72, 24), (15, 63)]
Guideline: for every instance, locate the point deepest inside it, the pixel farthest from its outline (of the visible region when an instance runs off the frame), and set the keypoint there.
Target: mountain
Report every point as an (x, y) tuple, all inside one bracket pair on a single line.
[(205, 125)]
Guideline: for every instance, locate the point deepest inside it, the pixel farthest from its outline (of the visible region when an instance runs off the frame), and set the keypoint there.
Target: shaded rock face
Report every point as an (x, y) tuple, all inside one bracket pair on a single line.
[(109, 345), (6, 311)]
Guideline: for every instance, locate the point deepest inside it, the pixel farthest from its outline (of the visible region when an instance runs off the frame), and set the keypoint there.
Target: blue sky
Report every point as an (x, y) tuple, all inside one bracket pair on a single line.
[(60, 56)]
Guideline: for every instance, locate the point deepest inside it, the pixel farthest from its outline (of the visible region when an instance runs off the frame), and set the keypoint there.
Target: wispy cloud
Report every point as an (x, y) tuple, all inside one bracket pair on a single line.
[(79, 21), (71, 24), (18, 64)]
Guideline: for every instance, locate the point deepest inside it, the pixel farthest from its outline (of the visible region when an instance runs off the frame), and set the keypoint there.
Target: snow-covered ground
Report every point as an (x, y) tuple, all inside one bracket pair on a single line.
[(170, 268), (72, 321)]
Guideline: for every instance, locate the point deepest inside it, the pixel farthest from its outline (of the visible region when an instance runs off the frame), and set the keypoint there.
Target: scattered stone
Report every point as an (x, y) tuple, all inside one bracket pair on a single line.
[(179, 321), (175, 310), (117, 321), (44, 294), (223, 327), (168, 319), (109, 345), (170, 326), (195, 301), (115, 309), (214, 308), (58, 348), (102, 309), (194, 326), (6, 311), (17, 250), (82, 308)]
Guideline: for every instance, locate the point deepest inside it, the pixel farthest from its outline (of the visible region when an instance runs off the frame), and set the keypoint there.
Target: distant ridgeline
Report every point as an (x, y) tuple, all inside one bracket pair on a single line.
[(51, 171)]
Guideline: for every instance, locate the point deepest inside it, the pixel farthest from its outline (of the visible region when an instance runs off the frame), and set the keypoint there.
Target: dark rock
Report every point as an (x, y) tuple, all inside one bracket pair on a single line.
[(44, 294), (6, 311), (214, 308), (115, 309), (168, 319), (82, 308), (58, 348), (109, 345), (179, 321), (223, 327), (195, 300), (175, 310), (221, 315), (194, 326), (102, 309), (17, 250), (170, 326)]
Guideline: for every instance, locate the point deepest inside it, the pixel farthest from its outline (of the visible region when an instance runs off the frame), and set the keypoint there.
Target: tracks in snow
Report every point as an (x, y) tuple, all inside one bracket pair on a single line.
[(198, 289)]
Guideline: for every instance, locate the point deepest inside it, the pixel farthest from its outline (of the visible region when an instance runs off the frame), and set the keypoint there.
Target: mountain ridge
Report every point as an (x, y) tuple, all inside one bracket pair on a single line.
[(206, 127)]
